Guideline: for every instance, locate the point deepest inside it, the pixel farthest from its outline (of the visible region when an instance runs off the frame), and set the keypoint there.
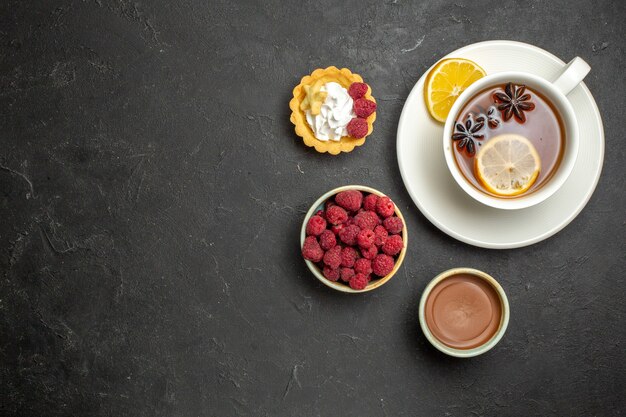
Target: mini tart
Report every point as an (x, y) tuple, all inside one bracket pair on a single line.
[(345, 78)]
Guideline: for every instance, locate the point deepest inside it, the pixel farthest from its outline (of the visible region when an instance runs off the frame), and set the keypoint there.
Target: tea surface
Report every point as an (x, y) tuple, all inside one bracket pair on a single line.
[(490, 114)]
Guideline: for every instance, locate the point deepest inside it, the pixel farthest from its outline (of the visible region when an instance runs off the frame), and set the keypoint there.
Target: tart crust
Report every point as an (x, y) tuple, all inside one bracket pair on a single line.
[(344, 77)]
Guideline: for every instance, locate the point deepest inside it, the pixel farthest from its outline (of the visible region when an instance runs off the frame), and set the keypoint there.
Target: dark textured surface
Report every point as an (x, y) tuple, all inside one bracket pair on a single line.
[(151, 194)]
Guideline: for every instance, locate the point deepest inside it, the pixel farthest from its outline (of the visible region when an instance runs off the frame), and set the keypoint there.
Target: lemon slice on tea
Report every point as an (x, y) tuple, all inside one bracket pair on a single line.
[(507, 165), (446, 81)]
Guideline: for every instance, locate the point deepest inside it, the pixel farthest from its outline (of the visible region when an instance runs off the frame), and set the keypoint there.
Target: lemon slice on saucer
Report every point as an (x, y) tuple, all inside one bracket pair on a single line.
[(507, 165), (446, 81)]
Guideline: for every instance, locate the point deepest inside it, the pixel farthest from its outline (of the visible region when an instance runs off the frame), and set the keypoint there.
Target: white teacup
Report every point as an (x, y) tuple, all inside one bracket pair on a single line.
[(556, 92)]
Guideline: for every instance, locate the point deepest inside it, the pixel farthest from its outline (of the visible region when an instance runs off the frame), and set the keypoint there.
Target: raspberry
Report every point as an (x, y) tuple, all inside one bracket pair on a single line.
[(336, 215), (348, 234), (348, 256), (365, 238), (311, 250), (364, 107), (357, 90), (363, 266), (384, 207), (332, 257), (381, 235), (393, 225), (346, 274), (366, 220), (315, 226), (369, 202), (350, 200), (327, 240), (382, 265), (321, 214), (328, 204), (337, 228), (369, 253), (330, 273), (393, 245), (357, 128), (358, 282)]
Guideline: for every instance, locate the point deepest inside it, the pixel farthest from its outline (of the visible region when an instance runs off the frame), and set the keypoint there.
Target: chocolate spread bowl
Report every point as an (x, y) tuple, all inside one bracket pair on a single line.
[(464, 312)]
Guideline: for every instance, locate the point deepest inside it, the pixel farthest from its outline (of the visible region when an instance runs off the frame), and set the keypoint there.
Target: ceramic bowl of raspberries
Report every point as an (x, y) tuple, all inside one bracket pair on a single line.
[(354, 239)]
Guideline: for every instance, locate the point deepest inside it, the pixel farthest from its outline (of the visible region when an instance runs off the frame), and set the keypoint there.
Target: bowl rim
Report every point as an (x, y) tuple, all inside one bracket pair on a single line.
[(374, 283), (563, 105), (479, 350)]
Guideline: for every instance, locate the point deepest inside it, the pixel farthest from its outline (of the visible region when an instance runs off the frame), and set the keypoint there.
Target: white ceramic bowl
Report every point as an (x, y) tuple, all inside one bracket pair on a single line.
[(465, 353), (339, 286)]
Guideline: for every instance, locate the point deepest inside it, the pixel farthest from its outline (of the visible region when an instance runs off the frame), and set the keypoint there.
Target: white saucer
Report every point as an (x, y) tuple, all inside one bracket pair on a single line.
[(445, 204)]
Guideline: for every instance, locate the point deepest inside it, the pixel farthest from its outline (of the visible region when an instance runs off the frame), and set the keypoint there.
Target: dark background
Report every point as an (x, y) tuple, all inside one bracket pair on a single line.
[(152, 192)]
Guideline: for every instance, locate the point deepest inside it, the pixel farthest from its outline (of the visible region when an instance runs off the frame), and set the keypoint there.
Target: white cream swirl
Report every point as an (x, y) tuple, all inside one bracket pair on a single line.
[(335, 114)]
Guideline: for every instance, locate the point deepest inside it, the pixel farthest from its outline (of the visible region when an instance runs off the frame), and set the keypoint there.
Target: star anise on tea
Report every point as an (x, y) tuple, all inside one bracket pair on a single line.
[(466, 133), (513, 102), (492, 117)]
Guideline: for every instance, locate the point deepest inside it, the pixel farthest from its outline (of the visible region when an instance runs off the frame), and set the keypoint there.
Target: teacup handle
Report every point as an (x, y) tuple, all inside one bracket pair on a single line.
[(573, 74)]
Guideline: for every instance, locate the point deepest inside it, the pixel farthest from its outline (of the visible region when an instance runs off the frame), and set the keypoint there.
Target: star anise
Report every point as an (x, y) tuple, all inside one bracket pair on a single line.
[(465, 134), (513, 102), (492, 117)]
